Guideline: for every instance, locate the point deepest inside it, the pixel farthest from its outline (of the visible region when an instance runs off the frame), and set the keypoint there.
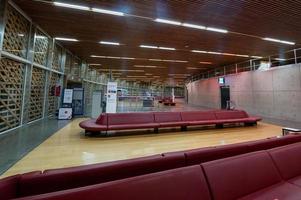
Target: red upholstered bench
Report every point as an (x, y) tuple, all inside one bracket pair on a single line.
[(82, 177), (123, 121)]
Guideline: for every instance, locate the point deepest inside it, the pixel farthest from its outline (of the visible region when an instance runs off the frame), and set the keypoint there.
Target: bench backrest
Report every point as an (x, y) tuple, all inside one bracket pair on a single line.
[(130, 118), (167, 117), (235, 177), (197, 115)]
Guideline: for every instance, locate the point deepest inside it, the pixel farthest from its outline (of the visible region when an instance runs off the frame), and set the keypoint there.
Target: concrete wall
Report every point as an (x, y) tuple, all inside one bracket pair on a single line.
[(275, 93)]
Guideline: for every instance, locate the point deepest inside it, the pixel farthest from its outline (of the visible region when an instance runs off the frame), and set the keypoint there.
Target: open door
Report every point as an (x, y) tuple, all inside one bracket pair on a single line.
[(225, 96)]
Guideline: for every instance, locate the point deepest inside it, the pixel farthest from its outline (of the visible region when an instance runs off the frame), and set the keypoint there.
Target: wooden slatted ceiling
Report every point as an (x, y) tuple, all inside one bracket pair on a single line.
[(269, 18)]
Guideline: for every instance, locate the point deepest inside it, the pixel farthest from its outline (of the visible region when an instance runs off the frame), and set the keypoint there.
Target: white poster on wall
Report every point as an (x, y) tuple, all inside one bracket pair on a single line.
[(65, 113), (68, 94), (111, 97)]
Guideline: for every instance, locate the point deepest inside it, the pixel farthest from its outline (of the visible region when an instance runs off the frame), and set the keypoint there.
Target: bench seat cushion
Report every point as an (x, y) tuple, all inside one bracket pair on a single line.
[(133, 126), (172, 124), (91, 125), (161, 117), (197, 115)]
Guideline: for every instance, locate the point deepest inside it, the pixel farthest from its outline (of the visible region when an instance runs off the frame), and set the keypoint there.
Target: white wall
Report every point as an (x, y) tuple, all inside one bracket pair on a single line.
[(275, 93)]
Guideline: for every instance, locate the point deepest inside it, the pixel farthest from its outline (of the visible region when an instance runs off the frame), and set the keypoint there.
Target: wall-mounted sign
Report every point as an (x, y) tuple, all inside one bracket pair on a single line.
[(111, 97), (65, 113), (68, 94)]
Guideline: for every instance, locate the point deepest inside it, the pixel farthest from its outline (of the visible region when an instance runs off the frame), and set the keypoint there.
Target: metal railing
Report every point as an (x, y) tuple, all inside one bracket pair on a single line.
[(263, 63)]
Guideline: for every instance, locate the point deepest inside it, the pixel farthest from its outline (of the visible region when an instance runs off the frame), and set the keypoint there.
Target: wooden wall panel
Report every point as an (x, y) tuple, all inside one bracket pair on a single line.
[(11, 85), (52, 99), (16, 33), (37, 94), (41, 48), (57, 57)]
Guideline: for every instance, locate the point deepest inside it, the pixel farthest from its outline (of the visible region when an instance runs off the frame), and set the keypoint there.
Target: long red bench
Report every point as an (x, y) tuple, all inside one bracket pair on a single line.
[(49, 181), (156, 120), (272, 174)]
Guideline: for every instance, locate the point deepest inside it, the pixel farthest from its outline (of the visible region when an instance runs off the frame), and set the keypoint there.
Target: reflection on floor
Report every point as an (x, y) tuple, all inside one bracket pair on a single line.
[(17, 143), (69, 146)]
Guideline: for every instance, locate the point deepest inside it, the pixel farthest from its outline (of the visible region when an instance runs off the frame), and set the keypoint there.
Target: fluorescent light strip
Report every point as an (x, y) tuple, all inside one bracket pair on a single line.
[(66, 39), (192, 68), (194, 26), (224, 54), (128, 58), (98, 10), (205, 63), (280, 59), (167, 48), (216, 30), (148, 46), (66, 5), (165, 21), (94, 64), (122, 70), (279, 41), (109, 43), (259, 57), (145, 66)]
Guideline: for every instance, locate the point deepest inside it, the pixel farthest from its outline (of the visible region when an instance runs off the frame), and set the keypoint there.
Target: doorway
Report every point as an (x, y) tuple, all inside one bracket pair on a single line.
[(225, 96)]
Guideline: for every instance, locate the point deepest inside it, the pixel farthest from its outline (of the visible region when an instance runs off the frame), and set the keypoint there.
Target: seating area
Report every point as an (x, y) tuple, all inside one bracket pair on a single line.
[(262, 169), (156, 120)]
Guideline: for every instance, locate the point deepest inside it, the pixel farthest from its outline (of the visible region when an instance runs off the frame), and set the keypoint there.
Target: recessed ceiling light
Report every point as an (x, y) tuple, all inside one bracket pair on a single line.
[(94, 64), (148, 46), (148, 74), (145, 66), (198, 51), (259, 57), (66, 39), (98, 10), (280, 59), (205, 63), (122, 70), (113, 57), (167, 48), (165, 21), (214, 52), (127, 58), (192, 68), (279, 41), (94, 56), (194, 26), (155, 60), (66, 5), (136, 76), (216, 30), (109, 43), (239, 55)]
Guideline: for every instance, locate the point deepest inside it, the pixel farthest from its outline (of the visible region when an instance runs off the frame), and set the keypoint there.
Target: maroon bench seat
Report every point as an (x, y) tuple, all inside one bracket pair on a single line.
[(248, 177), (36, 183), (177, 184), (123, 121)]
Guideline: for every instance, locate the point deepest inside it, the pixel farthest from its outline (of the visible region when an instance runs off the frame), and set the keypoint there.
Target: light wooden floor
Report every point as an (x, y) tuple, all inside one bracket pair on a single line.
[(69, 146)]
